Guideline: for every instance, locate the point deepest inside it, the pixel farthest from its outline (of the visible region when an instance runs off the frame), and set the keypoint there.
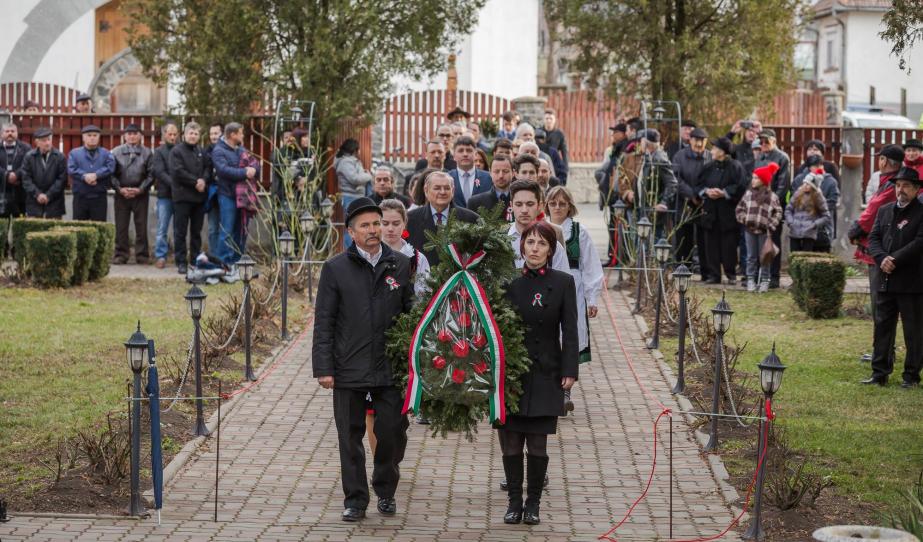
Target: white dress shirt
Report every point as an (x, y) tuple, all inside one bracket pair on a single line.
[(371, 258)]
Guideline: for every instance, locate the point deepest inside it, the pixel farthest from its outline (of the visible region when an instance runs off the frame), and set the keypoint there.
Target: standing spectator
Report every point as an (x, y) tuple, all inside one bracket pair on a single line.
[(816, 147), (545, 177), (12, 155), (90, 167), (480, 160), (719, 187), (438, 188), (501, 175), (163, 183), (44, 177), (525, 168), (475, 130), (211, 203), (192, 171), (445, 135), (745, 133), (355, 307), (435, 155), (656, 184), (131, 182), (84, 104), (760, 212), (233, 166), (781, 183), (352, 179), (468, 179), (555, 138), (503, 147), (553, 156), (806, 215), (685, 133), (829, 190), (913, 149), (383, 187), (31, 107), (508, 128), (896, 244), (526, 199), (687, 165)]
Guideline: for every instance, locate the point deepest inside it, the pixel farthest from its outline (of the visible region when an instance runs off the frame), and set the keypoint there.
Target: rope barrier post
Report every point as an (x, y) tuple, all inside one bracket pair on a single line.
[(755, 530), (662, 255), (671, 476), (137, 349), (681, 278), (217, 449), (286, 247), (246, 265), (722, 316), (618, 248), (641, 260), (196, 298), (311, 282), (771, 369)]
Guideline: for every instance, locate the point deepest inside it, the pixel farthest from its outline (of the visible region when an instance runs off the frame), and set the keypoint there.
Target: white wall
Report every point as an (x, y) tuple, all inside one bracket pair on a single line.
[(71, 57)]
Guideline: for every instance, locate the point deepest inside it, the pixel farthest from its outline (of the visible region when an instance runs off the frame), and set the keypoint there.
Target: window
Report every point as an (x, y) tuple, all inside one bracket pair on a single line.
[(831, 64)]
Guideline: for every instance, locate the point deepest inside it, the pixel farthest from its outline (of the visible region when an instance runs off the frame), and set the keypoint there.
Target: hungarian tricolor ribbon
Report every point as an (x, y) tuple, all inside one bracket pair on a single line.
[(537, 300), (466, 280)]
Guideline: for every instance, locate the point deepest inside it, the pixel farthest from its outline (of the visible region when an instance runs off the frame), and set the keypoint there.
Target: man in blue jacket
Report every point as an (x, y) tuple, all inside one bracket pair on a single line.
[(468, 180), (90, 168), (233, 164)]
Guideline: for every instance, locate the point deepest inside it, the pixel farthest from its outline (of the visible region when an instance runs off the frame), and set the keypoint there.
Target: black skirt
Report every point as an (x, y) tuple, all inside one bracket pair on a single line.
[(543, 425)]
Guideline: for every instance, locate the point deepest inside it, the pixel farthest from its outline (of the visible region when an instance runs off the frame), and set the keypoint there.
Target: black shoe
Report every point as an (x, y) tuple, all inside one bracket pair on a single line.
[(503, 485), (713, 281), (353, 514), (568, 404), (513, 468), (422, 421), (513, 514), (907, 384), (773, 284), (545, 482), (181, 269), (880, 381), (387, 506)]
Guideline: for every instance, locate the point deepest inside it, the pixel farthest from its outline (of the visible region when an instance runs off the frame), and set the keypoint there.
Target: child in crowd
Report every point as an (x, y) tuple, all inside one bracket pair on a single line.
[(760, 213), (806, 214)]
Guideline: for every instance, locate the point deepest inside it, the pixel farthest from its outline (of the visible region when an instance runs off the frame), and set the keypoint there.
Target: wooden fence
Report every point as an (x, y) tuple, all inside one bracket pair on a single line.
[(791, 140), (50, 98)]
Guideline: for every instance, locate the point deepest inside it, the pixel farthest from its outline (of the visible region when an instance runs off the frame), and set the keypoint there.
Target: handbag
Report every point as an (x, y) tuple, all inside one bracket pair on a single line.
[(768, 251), (245, 191)]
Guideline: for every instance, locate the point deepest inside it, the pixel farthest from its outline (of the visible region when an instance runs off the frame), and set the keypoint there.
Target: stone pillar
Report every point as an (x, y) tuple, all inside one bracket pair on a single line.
[(531, 109), (833, 104), (451, 84), (851, 176)]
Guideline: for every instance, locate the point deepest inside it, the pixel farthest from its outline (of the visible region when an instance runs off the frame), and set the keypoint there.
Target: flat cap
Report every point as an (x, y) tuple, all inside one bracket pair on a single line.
[(89, 128)]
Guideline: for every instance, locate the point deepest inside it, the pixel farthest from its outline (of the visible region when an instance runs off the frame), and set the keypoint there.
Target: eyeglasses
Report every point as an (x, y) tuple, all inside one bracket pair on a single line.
[(445, 135), (556, 204)]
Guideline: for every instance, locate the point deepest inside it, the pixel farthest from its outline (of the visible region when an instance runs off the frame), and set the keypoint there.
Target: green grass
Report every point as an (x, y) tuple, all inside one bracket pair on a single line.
[(869, 439)]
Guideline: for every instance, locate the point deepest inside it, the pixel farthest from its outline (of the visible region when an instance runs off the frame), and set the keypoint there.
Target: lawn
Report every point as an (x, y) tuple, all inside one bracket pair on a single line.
[(63, 364), (867, 438)]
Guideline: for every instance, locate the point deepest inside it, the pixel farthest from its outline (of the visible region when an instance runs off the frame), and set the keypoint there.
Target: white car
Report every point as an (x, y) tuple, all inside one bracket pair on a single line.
[(874, 117)]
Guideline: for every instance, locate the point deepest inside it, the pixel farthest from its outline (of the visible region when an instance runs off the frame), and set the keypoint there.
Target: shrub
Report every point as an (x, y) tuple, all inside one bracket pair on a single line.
[(50, 257), (87, 239), (4, 237), (821, 286), (22, 227), (105, 248), (794, 270)]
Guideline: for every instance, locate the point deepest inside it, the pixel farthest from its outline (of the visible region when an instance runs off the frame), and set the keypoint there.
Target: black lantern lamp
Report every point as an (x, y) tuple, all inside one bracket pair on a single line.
[(296, 113), (721, 315), (681, 276), (662, 251), (662, 255), (246, 267), (307, 222), (771, 369), (286, 243), (619, 209), (644, 228), (195, 297), (136, 348)]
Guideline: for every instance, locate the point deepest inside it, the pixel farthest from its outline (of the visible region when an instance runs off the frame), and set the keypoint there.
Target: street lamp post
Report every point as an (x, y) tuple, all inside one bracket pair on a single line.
[(246, 265), (681, 281), (195, 298), (644, 231), (619, 209), (286, 247), (308, 225), (662, 255), (136, 349), (326, 208), (722, 317)]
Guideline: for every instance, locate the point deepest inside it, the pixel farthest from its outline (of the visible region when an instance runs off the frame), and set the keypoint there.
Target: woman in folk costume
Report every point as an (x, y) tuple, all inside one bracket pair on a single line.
[(584, 263)]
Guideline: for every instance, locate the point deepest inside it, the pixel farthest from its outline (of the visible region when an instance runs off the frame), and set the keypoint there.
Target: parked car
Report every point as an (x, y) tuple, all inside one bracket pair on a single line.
[(857, 116)]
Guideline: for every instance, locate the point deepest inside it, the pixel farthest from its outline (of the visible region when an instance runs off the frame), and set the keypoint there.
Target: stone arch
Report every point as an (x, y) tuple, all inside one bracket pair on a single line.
[(108, 76)]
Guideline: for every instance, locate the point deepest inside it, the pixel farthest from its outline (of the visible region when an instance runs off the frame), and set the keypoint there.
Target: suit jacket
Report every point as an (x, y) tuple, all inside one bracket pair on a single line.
[(547, 303), (486, 200), (482, 183), (420, 221), (899, 233)]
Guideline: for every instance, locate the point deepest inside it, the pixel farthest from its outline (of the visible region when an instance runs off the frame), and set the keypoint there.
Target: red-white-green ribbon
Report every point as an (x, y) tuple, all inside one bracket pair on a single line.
[(494, 341)]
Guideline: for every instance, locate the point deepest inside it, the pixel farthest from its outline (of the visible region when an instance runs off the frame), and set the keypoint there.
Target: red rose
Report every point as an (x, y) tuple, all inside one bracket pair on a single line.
[(460, 348), (479, 340), (458, 376), (464, 319), (455, 305), (439, 362), (480, 367), (444, 335)]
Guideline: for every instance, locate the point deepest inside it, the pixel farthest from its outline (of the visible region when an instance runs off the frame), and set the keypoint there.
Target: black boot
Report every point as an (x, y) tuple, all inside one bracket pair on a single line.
[(535, 479), (512, 467)]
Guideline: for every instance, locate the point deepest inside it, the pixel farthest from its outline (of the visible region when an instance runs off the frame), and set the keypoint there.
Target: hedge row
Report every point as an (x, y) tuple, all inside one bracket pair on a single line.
[(87, 240), (51, 256), (818, 281), (94, 248), (4, 237)]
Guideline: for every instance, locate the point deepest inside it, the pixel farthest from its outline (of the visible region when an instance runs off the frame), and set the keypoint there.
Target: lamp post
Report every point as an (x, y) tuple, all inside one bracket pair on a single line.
[(308, 225), (722, 318), (659, 112), (326, 207), (619, 209), (195, 298), (246, 265), (136, 349), (286, 247), (681, 277), (643, 227), (296, 113), (662, 255), (771, 369)]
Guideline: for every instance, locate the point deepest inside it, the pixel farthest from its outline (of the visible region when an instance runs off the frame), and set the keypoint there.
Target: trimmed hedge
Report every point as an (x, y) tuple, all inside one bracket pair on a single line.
[(51, 256), (794, 270), (22, 227), (105, 248), (818, 285), (4, 237), (87, 239)]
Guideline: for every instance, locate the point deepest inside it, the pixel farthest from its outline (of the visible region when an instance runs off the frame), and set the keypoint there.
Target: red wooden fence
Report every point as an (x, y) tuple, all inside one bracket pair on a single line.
[(875, 139), (50, 98), (791, 140)]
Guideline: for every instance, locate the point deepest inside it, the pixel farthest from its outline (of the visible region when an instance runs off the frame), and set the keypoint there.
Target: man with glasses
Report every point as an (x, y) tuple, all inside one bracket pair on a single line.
[(438, 187)]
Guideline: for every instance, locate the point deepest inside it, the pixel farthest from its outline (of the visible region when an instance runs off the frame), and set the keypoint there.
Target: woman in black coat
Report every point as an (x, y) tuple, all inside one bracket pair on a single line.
[(720, 185), (546, 300)]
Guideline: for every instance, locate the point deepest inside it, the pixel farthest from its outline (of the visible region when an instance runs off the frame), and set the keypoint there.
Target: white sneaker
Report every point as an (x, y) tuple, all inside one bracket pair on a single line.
[(764, 286), (751, 285)]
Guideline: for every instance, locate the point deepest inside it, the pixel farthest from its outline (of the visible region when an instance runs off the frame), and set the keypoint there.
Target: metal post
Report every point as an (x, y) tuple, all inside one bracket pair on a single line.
[(248, 331), (655, 340), (311, 282), (217, 450), (200, 429), (680, 386), (134, 428), (716, 394), (641, 267), (284, 298), (618, 248), (755, 530), (671, 476)]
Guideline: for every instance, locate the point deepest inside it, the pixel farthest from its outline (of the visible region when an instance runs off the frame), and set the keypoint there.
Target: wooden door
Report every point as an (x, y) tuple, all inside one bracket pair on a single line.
[(111, 37)]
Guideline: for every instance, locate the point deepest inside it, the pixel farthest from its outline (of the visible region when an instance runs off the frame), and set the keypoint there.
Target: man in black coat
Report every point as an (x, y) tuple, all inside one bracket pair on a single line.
[(896, 244), (687, 165), (360, 293), (12, 154), (720, 186), (383, 187), (44, 177), (192, 171), (501, 173), (439, 188)]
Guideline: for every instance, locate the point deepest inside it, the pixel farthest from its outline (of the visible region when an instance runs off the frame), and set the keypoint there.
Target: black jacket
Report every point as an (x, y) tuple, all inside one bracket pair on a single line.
[(687, 166), (420, 221), (555, 139), (189, 163), (728, 175), (393, 195), (899, 233), (448, 163), (14, 194), (487, 200), (550, 337), (782, 180), (355, 306), (49, 178), (160, 166)]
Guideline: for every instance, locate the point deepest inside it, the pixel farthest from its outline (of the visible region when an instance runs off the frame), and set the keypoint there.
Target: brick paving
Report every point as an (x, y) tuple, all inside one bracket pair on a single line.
[(279, 471)]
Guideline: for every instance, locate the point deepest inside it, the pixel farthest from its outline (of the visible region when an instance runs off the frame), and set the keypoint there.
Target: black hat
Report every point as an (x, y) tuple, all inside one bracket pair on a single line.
[(83, 97), (817, 144), (539, 133), (359, 206), (458, 111), (651, 135), (814, 160), (89, 128), (620, 127), (698, 133), (132, 128), (768, 132), (688, 122), (724, 144), (913, 144), (41, 132), (908, 174), (892, 152)]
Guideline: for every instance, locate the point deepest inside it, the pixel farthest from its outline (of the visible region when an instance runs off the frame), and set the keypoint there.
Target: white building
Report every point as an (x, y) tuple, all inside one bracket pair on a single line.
[(849, 56)]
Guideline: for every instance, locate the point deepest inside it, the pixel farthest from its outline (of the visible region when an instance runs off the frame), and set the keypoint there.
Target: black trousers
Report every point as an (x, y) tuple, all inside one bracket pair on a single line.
[(90, 208), (803, 245), (125, 211), (685, 242), (721, 248), (704, 269), (187, 216), (890, 306), (391, 431), (775, 269)]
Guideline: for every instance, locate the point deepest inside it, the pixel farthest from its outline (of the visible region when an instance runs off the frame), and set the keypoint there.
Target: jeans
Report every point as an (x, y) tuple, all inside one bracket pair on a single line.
[(164, 216), (754, 244), (347, 240), (232, 240), (214, 229)]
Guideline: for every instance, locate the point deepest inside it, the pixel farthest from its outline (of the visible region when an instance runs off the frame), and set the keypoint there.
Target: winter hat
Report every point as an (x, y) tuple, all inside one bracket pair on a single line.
[(892, 152), (724, 144), (651, 135), (766, 172), (914, 144), (817, 144)]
